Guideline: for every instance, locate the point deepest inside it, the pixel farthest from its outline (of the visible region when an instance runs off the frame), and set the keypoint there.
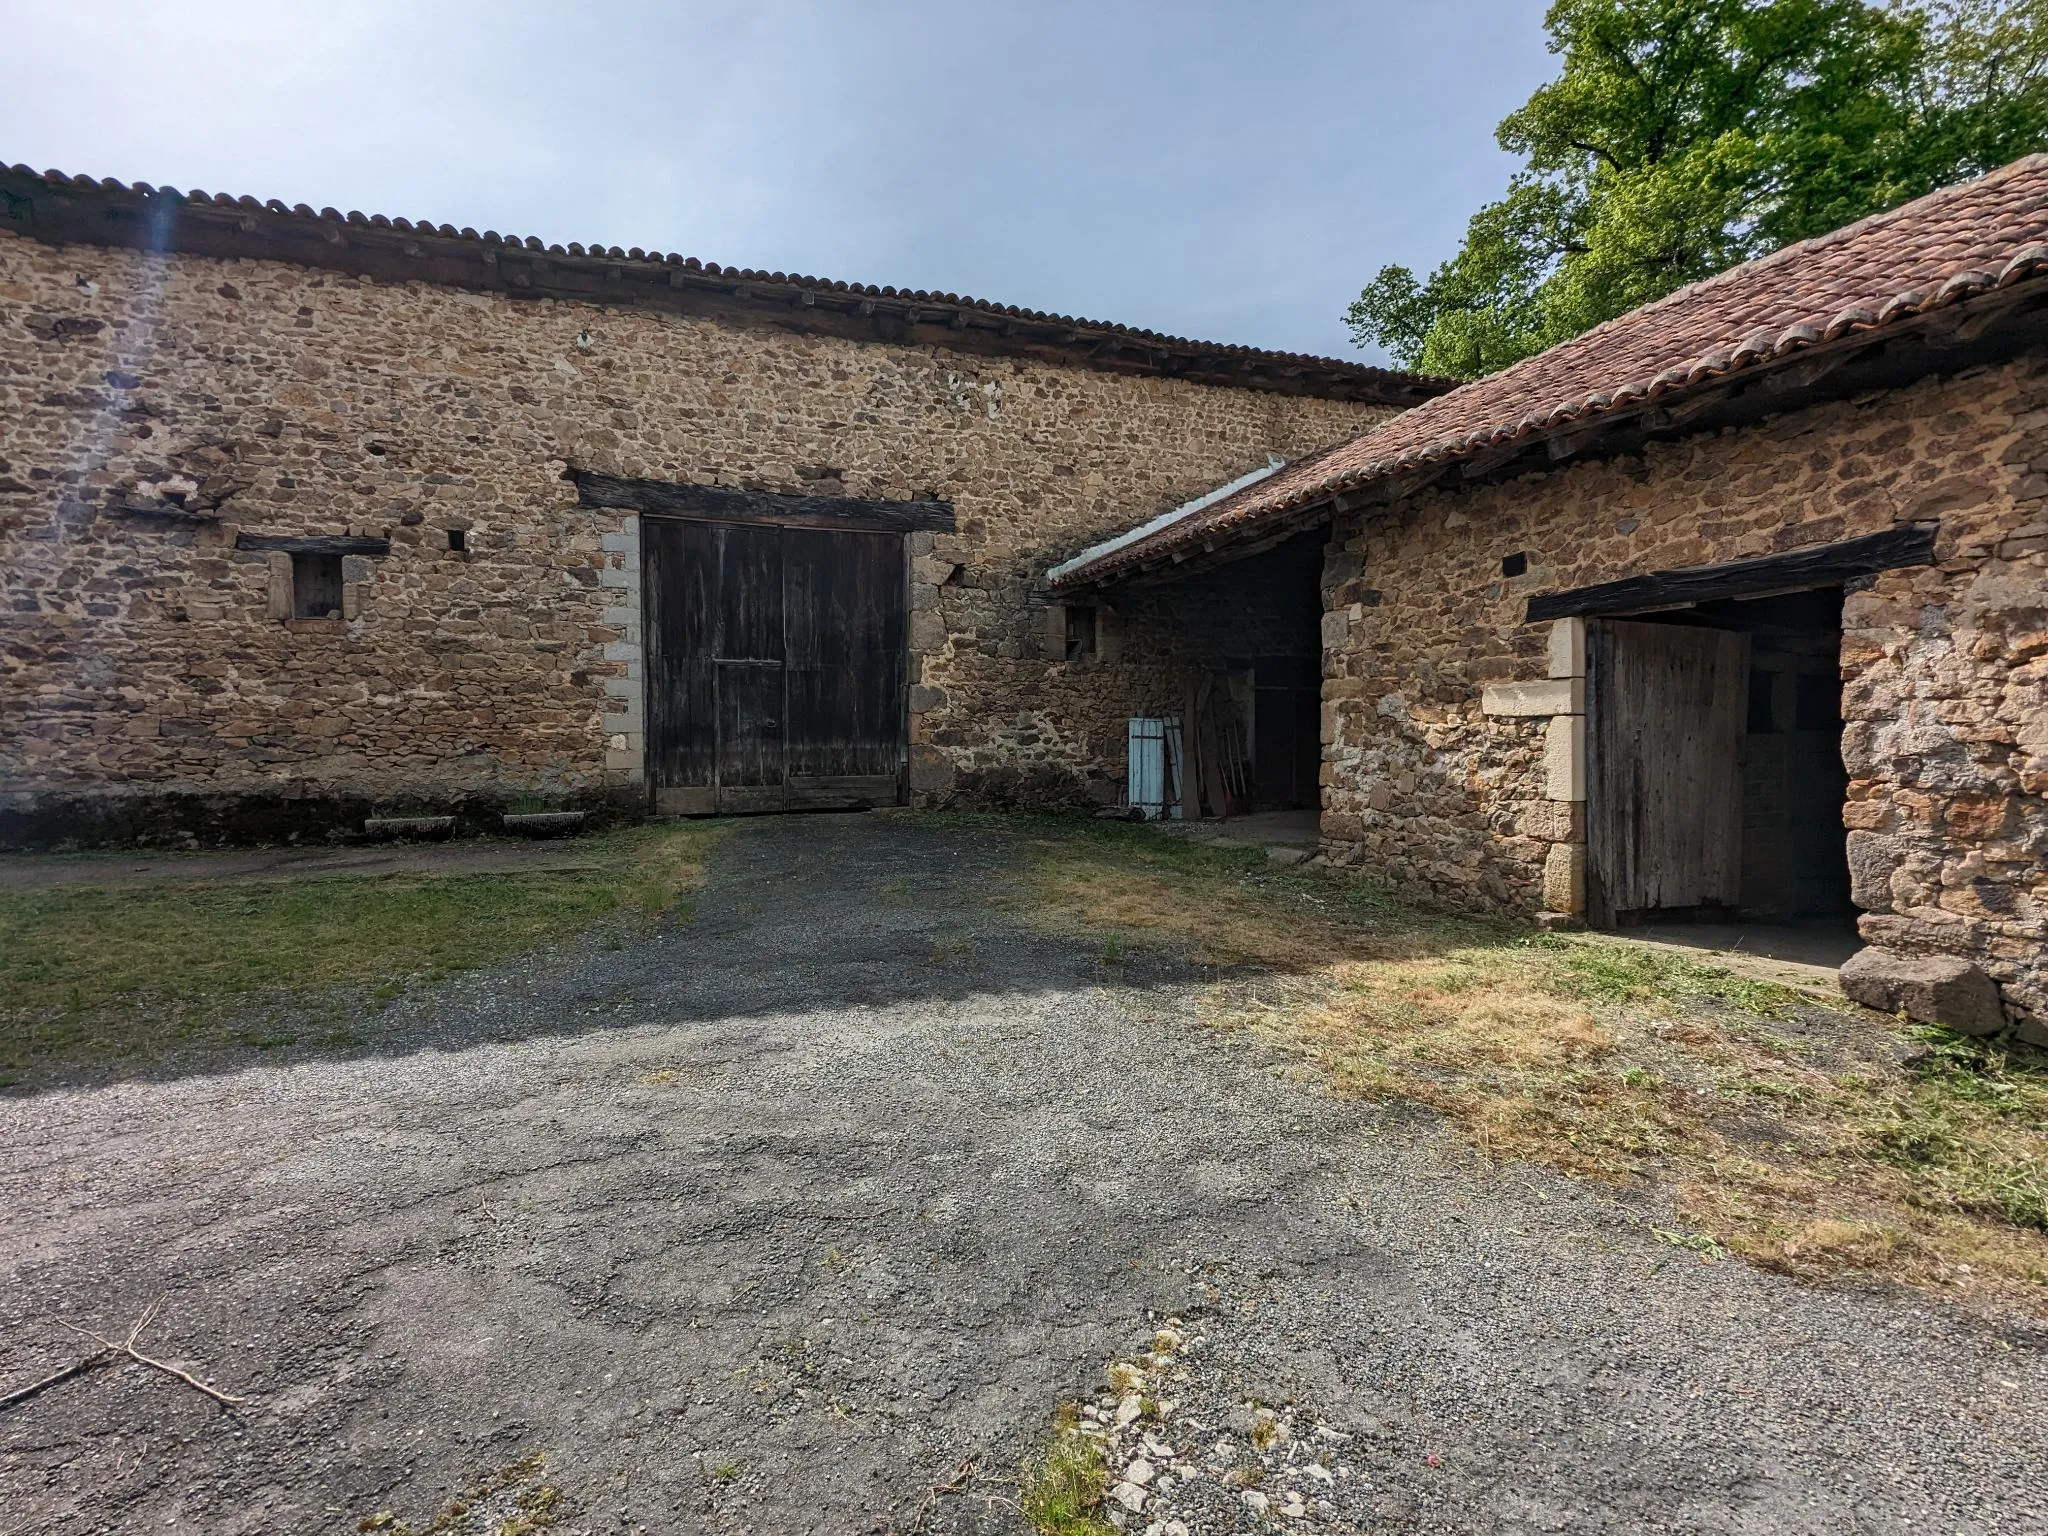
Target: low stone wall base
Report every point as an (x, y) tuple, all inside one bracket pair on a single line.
[(202, 820)]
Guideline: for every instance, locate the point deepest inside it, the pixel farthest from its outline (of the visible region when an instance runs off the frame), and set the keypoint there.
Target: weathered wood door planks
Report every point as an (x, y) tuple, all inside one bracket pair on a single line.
[(776, 667), (1664, 772), (679, 565), (846, 633)]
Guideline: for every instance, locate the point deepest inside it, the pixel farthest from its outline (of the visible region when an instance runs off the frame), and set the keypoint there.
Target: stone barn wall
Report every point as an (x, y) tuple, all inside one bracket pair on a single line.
[(156, 408), (1945, 667)]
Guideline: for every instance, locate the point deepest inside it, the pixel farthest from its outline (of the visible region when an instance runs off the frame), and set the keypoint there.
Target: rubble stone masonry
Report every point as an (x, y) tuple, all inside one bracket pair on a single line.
[(1444, 778), (154, 410)]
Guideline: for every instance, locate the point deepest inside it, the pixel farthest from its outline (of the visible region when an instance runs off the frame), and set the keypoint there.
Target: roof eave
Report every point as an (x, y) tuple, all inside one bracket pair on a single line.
[(64, 210), (1980, 327)]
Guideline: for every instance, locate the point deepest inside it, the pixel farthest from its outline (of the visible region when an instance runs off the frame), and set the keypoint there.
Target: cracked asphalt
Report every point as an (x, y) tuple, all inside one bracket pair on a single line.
[(787, 1217)]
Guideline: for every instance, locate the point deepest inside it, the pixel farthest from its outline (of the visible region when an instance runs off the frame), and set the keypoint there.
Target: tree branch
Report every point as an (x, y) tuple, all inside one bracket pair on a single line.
[(76, 1368), (127, 1347)]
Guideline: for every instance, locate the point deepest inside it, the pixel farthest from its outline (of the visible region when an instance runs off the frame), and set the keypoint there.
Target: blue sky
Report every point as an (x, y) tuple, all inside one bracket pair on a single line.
[(1229, 172)]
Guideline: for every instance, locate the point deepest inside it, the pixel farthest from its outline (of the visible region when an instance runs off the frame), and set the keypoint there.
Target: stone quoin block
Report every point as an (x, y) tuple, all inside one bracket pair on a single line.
[(1557, 821), (1564, 878), (1567, 647), (280, 591), (1564, 758), (1559, 696)]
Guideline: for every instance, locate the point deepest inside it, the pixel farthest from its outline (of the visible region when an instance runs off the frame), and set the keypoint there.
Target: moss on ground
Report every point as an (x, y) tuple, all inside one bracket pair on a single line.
[(514, 1500)]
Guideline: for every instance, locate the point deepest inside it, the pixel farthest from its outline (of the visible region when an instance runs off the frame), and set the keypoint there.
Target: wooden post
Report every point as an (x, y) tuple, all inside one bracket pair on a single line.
[(1190, 755)]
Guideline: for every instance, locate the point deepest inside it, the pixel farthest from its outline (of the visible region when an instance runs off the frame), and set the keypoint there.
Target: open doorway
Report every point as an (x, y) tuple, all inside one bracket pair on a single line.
[(1248, 640), (1715, 778)]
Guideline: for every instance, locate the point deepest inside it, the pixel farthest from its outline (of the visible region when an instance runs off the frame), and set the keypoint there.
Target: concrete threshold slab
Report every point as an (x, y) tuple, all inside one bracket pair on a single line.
[(1261, 829), (1805, 956)]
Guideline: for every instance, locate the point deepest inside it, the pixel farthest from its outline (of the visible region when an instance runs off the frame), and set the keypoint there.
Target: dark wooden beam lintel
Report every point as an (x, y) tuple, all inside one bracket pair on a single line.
[(294, 544), (1822, 566), (719, 503)]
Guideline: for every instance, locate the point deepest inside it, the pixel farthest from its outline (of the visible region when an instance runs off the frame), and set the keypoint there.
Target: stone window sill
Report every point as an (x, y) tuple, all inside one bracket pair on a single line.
[(317, 626)]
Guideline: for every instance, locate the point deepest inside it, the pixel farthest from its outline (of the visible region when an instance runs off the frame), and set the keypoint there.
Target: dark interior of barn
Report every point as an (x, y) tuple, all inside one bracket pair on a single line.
[(1793, 865), (1249, 635)]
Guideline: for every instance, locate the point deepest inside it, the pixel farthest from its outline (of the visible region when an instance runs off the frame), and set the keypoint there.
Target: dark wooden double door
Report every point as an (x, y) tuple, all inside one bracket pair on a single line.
[(776, 667)]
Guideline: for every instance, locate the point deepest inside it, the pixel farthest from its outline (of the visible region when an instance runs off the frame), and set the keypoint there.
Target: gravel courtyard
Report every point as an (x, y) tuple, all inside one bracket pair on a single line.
[(809, 1213)]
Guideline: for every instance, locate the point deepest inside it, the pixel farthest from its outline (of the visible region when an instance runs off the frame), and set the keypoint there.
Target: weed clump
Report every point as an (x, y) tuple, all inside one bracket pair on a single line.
[(513, 1500), (1065, 1483)]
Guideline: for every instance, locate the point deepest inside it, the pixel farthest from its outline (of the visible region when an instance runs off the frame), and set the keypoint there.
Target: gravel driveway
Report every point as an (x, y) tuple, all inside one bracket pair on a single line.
[(785, 1218)]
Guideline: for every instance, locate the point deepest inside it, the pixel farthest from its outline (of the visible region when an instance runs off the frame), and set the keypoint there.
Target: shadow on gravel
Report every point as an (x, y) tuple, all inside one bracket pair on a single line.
[(800, 914), (803, 1213)]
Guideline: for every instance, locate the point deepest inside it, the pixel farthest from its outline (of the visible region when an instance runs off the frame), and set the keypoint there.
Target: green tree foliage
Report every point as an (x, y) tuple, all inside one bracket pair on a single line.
[(1684, 136)]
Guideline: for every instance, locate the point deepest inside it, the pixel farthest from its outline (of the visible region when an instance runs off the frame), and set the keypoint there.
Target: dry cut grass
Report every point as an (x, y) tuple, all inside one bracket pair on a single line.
[(1800, 1133)]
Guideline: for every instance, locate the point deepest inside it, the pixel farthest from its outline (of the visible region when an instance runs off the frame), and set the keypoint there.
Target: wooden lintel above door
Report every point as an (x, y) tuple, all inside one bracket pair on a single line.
[(1821, 565), (724, 504)]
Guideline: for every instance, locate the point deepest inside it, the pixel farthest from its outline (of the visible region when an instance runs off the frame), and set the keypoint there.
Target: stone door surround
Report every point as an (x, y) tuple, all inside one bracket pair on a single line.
[(1560, 700)]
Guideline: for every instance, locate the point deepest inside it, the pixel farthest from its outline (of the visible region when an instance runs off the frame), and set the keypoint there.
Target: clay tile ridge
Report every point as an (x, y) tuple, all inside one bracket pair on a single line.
[(60, 208), (1942, 249)]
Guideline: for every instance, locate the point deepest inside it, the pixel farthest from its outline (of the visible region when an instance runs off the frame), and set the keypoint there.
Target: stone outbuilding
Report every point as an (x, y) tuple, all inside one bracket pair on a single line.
[(309, 517), (1734, 606)]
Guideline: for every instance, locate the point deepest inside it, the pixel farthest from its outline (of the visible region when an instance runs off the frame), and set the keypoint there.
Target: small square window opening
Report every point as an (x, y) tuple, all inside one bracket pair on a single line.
[(316, 585), (458, 539), (1080, 632), (1516, 564)]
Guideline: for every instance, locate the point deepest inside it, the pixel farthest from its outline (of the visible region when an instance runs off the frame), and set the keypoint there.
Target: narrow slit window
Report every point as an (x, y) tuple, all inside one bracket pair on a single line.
[(316, 586), (1080, 632), (458, 539), (1516, 564)]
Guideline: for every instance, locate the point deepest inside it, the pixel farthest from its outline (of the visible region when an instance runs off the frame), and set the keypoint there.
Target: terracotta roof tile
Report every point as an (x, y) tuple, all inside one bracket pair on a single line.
[(1939, 250)]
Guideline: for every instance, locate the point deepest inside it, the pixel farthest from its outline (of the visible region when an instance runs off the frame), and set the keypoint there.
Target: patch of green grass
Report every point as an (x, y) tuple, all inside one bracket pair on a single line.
[(1147, 845), (1693, 1242), (1966, 1132), (1618, 973), (1064, 1484), (1113, 949), (1132, 842), (104, 971)]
